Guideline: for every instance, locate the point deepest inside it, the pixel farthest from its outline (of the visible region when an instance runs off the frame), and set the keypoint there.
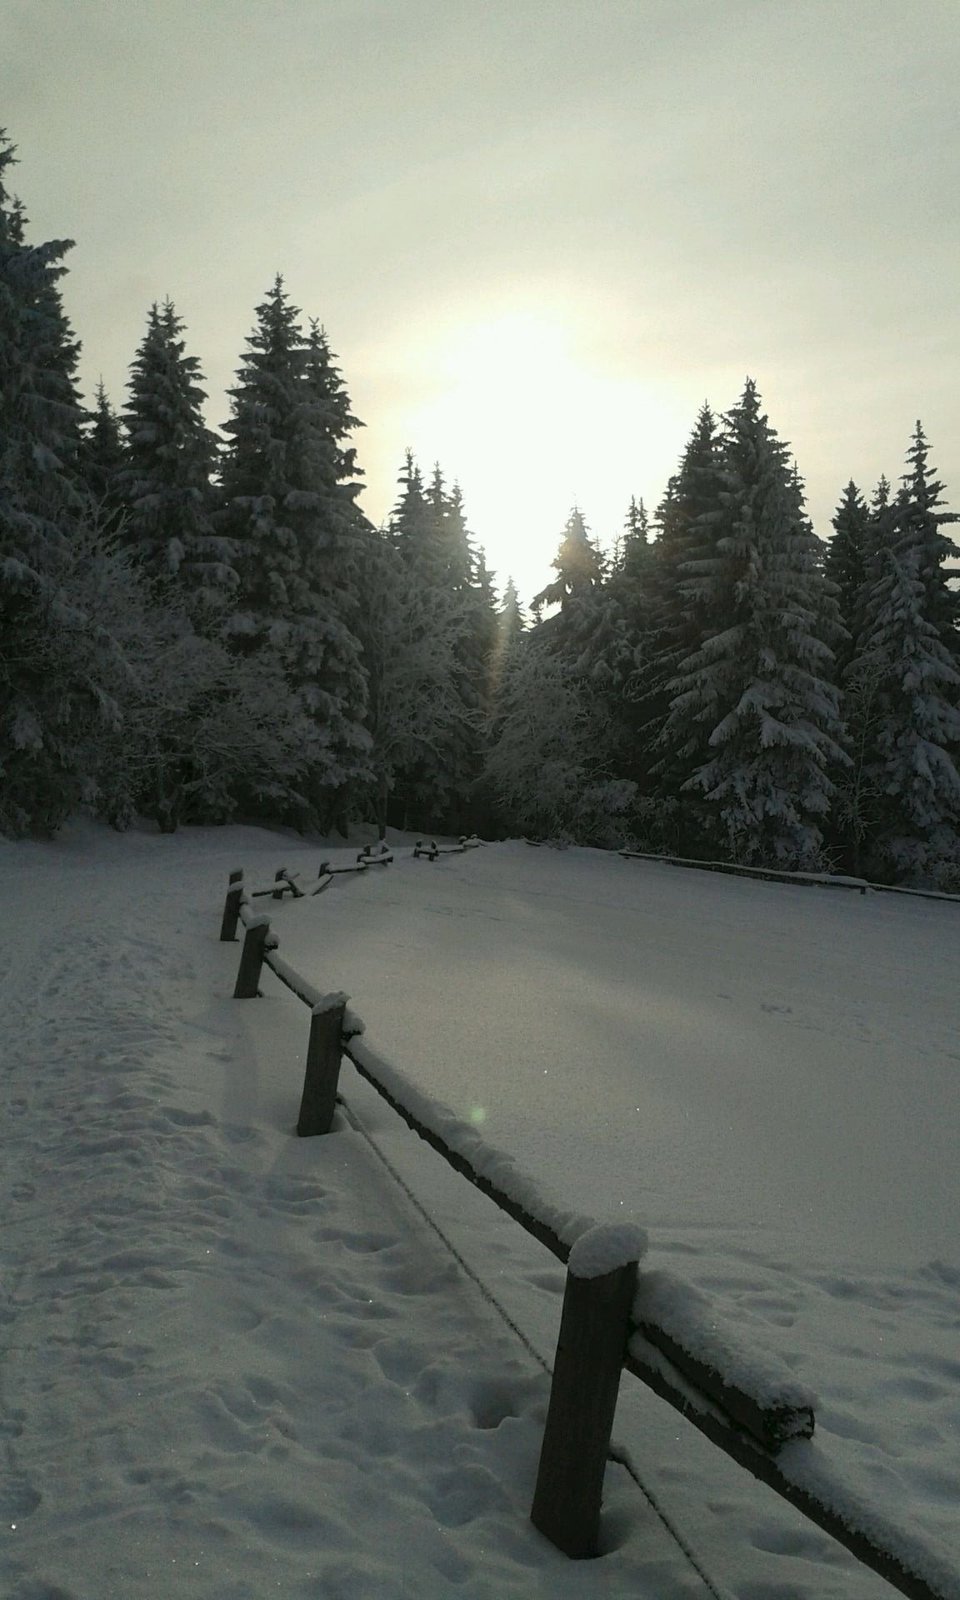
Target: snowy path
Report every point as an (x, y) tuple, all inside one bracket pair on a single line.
[(237, 1364), (233, 1365)]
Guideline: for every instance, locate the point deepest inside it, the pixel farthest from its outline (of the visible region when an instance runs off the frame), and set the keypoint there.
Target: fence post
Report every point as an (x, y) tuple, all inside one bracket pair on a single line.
[(323, 1066), (251, 959), (594, 1328), (231, 907)]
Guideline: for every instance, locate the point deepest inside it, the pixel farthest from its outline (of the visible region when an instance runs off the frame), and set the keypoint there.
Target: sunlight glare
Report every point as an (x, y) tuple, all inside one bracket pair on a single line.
[(527, 425)]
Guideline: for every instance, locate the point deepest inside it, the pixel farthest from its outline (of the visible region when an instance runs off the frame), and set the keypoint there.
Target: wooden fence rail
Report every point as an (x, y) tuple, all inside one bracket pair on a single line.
[(610, 1321), (819, 880)]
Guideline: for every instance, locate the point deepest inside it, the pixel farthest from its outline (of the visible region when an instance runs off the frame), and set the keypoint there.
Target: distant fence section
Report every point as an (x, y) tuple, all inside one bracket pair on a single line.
[(614, 1316), (819, 880)]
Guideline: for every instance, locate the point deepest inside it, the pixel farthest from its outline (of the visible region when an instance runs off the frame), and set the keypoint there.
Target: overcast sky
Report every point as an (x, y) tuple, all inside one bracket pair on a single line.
[(539, 233)]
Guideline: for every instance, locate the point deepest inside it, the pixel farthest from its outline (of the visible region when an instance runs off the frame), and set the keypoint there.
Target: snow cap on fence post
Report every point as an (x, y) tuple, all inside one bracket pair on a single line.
[(606, 1247)]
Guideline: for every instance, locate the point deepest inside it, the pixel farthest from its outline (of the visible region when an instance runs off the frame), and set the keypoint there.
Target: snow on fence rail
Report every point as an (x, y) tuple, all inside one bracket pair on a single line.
[(613, 1318), (821, 880)]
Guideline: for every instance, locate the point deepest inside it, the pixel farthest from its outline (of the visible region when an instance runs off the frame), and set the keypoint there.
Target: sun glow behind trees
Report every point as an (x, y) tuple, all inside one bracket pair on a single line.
[(528, 427)]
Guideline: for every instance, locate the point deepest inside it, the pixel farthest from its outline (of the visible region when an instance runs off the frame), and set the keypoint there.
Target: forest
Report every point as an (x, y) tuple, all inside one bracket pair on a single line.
[(201, 628)]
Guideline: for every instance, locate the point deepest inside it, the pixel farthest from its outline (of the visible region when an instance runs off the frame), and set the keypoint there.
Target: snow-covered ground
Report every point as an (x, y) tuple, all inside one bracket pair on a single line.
[(237, 1363)]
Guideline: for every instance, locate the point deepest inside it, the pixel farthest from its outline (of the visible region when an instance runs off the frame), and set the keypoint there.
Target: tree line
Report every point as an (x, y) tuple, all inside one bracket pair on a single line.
[(200, 628)]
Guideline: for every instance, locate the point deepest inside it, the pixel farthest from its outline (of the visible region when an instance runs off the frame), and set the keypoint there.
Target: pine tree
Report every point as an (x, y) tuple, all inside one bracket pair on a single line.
[(101, 459), (165, 480), (546, 768), (847, 562), (416, 712), (470, 587), (289, 513), (758, 692), (626, 597), (917, 532), (903, 687), (341, 530), (47, 698), (682, 612), (510, 628), (632, 560), (412, 527), (580, 572), (455, 600)]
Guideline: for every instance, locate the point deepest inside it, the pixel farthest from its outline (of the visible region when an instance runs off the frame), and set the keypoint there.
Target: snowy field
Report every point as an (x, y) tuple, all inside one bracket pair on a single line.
[(238, 1364)]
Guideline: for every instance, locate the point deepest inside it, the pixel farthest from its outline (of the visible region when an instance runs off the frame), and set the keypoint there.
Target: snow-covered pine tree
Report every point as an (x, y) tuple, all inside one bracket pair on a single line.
[(289, 514), (415, 711), (46, 702), (164, 482), (429, 531), (469, 586), (847, 563), (683, 610), (612, 657), (102, 455), (759, 690), (510, 628), (546, 769), (910, 780), (903, 689), (633, 553), (510, 619), (580, 656), (342, 531), (574, 591), (412, 530), (917, 528)]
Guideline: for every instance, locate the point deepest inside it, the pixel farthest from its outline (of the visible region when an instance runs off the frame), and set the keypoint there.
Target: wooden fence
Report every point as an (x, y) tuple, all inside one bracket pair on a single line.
[(613, 1319), (819, 880)]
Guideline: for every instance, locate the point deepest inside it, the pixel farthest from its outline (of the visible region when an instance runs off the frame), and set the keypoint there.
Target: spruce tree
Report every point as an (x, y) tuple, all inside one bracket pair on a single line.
[(910, 774), (416, 712), (165, 480), (903, 688), (47, 701), (547, 769), (683, 610), (510, 628), (288, 512), (847, 562), (758, 694), (580, 572), (455, 600), (633, 557), (101, 459), (917, 531)]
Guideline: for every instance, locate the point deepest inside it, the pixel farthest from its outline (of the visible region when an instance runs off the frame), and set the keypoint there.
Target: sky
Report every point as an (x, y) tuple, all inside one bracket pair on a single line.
[(539, 233)]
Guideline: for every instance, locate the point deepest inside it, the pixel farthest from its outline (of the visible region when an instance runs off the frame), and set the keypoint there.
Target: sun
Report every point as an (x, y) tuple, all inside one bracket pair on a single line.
[(529, 424)]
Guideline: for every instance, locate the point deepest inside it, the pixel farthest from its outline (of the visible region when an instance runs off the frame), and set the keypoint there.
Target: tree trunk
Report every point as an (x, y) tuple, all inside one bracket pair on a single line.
[(383, 796)]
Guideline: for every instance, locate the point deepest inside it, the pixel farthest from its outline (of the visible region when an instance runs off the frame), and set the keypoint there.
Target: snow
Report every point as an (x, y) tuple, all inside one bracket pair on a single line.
[(692, 1320), (606, 1248), (238, 1363), (486, 1159), (330, 1002)]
